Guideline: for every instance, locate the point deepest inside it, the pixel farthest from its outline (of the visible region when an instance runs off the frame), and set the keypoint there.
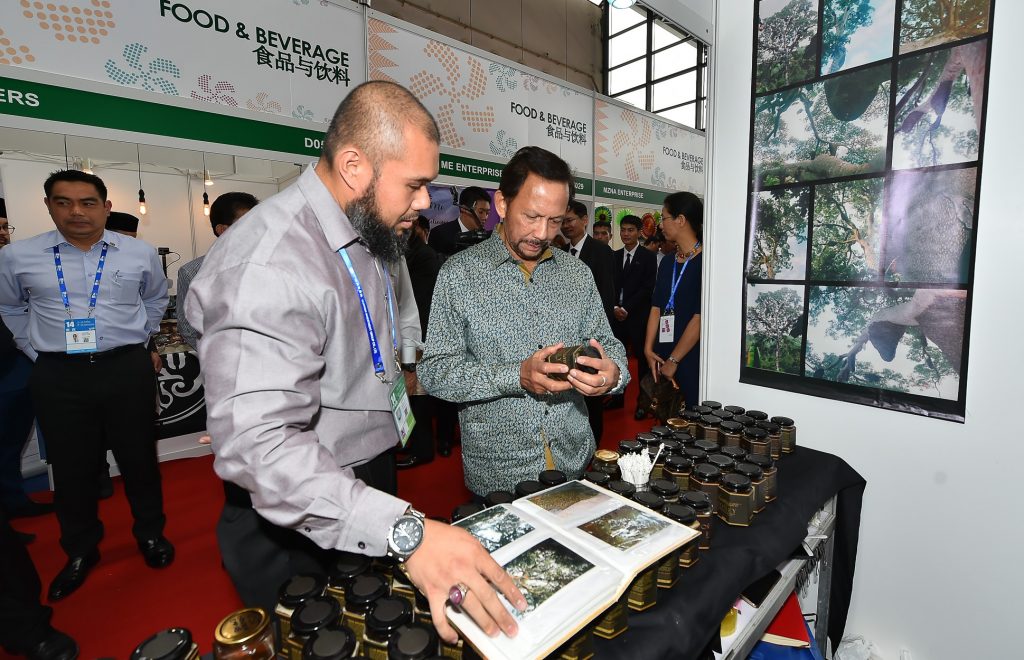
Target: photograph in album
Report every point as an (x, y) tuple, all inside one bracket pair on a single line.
[(625, 527), (495, 527), (544, 570)]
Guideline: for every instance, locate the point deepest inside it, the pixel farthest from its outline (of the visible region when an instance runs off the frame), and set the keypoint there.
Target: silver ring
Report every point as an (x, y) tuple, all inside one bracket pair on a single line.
[(604, 380)]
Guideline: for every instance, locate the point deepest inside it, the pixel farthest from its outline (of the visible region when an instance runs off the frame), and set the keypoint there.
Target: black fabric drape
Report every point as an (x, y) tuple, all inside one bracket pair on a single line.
[(687, 617)]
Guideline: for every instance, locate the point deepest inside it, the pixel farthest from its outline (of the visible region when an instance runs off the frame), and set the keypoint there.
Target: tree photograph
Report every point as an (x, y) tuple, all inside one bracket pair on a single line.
[(778, 242), (903, 340), (786, 49), (855, 32), (828, 129), (939, 101), (847, 227), (927, 23), (775, 325), (929, 226)]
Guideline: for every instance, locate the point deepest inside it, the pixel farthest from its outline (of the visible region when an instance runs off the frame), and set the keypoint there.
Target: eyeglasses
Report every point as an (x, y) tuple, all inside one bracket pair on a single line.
[(7, 228)]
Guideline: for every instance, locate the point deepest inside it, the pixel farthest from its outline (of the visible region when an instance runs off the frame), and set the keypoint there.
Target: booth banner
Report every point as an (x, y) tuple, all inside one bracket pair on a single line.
[(865, 166), (296, 59), (637, 147), (483, 106), (180, 397)]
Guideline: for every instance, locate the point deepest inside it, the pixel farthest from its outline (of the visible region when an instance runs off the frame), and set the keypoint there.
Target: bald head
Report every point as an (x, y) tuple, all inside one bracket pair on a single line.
[(374, 118)]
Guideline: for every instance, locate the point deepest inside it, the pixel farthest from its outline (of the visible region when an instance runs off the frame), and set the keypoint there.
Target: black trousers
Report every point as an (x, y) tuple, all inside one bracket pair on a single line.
[(83, 401), (260, 556), (24, 621)]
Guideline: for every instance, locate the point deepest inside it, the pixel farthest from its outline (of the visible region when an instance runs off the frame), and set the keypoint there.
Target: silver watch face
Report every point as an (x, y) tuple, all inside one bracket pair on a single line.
[(407, 534)]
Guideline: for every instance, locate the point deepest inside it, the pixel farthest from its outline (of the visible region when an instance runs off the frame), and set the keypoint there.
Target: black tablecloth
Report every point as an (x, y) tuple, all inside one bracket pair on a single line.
[(686, 617)]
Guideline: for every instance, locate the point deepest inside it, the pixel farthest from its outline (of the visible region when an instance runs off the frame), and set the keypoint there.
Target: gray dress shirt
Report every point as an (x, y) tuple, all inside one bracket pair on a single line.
[(185, 276), (292, 401), (132, 297)]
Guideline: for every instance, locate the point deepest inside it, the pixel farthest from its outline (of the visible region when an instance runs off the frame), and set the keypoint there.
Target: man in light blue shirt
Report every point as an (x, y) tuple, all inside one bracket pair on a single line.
[(82, 303)]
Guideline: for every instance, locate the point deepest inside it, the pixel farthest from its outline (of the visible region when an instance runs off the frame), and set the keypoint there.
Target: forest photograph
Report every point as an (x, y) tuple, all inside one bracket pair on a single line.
[(847, 228), (939, 106), (903, 340), (775, 325), (829, 129), (856, 32), (927, 23), (929, 226), (786, 48), (778, 234)]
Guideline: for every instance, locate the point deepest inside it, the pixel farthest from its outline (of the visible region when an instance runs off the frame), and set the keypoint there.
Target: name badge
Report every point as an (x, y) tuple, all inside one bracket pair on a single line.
[(401, 411), (80, 335), (666, 329)]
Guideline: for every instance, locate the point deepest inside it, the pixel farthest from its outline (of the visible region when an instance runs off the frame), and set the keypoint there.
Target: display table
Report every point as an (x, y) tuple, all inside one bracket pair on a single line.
[(687, 617)]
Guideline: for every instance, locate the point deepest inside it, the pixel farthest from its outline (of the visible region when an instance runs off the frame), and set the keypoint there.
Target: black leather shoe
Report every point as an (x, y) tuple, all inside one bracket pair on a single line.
[(24, 537), (55, 646), (640, 414), (445, 451), (158, 552), (29, 509), (72, 575), (106, 485)]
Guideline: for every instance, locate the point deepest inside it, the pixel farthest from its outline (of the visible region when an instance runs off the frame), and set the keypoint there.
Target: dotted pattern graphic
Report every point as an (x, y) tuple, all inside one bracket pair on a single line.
[(216, 93), (263, 103), (152, 76), (72, 22), (377, 45), (9, 54)]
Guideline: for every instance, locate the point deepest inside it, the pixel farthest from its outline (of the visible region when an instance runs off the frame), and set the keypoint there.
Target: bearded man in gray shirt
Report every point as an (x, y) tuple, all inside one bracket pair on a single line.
[(298, 355)]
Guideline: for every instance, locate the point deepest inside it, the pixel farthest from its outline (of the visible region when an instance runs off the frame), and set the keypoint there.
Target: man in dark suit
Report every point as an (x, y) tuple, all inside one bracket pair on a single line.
[(636, 270), (474, 207), (601, 260)]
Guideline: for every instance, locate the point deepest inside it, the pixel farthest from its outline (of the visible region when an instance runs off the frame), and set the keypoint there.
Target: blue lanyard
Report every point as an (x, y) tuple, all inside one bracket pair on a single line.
[(95, 283), (676, 280), (371, 333)]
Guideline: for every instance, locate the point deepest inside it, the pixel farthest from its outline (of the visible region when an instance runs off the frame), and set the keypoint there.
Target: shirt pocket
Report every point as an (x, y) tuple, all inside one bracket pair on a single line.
[(126, 288)]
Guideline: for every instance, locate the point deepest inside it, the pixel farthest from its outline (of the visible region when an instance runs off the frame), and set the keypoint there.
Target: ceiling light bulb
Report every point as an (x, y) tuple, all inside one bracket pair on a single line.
[(206, 204), (142, 202)]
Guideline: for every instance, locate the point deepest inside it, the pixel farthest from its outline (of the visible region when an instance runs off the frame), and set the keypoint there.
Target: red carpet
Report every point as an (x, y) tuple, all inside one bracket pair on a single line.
[(123, 602)]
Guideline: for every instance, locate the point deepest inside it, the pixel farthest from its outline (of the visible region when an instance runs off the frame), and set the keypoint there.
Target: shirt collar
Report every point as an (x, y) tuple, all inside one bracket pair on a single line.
[(56, 239), (632, 252), (579, 246), (335, 224), (497, 253)]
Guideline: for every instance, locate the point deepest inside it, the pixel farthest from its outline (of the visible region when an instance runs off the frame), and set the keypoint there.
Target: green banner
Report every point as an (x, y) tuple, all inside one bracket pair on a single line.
[(483, 170), (609, 190), (75, 106)]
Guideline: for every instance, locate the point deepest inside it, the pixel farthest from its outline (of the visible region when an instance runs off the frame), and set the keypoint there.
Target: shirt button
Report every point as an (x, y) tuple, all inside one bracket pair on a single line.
[(362, 546)]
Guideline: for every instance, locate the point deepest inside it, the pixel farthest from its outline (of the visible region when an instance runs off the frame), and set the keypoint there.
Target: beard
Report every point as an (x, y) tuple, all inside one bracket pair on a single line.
[(382, 241)]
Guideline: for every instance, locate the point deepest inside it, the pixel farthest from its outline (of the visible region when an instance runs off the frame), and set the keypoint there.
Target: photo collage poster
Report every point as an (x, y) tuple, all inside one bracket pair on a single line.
[(868, 125)]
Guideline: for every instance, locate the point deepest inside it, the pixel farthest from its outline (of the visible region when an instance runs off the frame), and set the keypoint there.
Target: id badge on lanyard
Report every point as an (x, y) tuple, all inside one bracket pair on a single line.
[(80, 334), (398, 397), (667, 327)]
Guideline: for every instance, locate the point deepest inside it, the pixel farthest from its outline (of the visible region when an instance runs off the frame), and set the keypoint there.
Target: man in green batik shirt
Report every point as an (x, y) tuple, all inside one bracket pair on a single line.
[(500, 308)]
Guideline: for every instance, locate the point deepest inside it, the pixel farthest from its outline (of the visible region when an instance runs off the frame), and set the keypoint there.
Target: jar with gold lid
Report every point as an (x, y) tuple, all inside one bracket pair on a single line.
[(756, 442), (312, 615), (701, 505), (296, 590), (676, 424), (169, 644), (607, 461), (245, 635), (788, 428), (736, 500)]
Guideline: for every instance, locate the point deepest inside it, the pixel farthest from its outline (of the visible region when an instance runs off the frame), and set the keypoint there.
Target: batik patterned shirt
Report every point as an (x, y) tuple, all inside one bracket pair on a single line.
[(487, 316)]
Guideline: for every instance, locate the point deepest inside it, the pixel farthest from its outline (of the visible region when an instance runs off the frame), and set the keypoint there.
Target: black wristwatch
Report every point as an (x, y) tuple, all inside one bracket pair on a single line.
[(405, 535)]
